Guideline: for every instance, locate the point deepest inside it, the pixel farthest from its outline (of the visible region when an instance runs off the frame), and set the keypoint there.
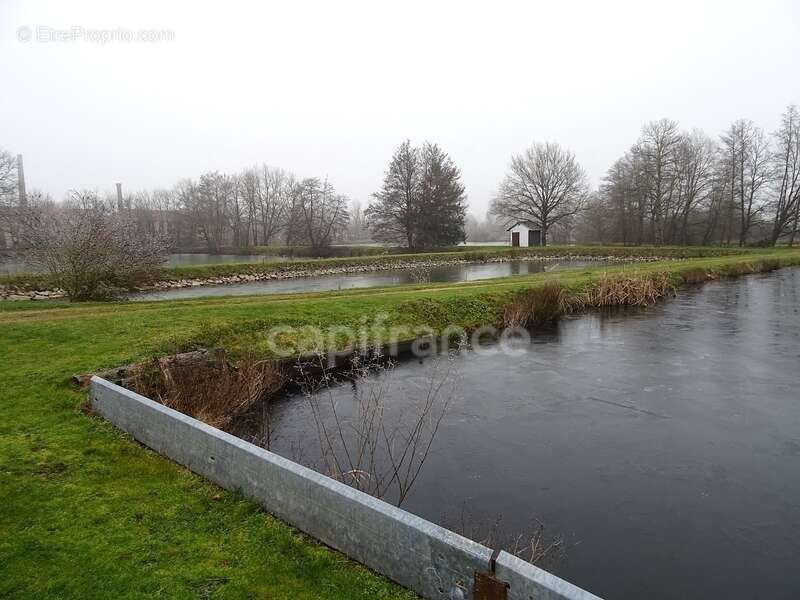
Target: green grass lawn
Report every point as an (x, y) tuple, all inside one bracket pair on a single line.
[(86, 512)]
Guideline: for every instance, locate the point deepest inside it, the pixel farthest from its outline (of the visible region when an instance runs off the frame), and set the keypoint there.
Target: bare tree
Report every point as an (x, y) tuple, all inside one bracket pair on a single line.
[(747, 166), (358, 229), (622, 198), (545, 184), (393, 215), (8, 179), (596, 223), (8, 199), (322, 211), (657, 150), (213, 198), (247, 185), (275, 190), (695, 163), (786, 176)]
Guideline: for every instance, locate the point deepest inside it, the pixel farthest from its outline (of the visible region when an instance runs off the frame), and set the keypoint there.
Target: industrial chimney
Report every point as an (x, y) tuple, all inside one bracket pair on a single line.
[(23, 196), (120, 205)]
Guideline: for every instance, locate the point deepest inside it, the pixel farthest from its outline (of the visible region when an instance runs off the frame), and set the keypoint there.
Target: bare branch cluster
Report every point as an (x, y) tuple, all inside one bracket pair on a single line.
[(8, 179), (369, 449), (89, 250)]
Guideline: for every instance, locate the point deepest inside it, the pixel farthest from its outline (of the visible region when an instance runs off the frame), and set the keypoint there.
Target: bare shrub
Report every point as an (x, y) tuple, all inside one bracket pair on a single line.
[(538, 548), (420, 274), (535, 546), (89, 250), (370, 450), (539, 305), (213, 391), (739, 269), (629, 290)]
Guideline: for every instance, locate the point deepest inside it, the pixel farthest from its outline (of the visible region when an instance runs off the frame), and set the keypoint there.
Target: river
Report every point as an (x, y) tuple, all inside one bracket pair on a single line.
[(321, 283), (663, 443)]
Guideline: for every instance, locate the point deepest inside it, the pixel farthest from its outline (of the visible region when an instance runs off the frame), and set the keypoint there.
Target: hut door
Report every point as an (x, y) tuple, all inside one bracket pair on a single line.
[(534, 237), (515, 238)]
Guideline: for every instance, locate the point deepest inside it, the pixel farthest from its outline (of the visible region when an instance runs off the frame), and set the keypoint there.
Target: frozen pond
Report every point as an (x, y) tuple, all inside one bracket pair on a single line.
[(662, 443)]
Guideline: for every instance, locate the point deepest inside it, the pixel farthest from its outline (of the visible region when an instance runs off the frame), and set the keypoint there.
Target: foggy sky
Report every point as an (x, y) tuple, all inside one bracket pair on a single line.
[(332, 88)]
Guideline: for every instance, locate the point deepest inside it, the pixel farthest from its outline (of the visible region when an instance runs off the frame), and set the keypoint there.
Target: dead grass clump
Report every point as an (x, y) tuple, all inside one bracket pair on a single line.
[(769, 264), (739, 269), (214, 390), (766, 265), (629, 290), (539, 305), (696, 275)]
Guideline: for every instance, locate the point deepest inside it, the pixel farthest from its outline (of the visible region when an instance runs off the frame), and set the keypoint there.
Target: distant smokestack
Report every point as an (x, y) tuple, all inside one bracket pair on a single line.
[(23, 196), (120, 204)]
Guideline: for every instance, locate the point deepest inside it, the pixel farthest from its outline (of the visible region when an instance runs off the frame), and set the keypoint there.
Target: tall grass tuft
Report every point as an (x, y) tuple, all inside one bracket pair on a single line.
[(769, 264), (629, 290), (539, 305), (213, 391), (696, 275)]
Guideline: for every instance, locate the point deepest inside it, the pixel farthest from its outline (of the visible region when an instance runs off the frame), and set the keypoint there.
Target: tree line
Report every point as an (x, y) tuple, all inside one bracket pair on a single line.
[(421, 204), (671, 187), (684, 187)]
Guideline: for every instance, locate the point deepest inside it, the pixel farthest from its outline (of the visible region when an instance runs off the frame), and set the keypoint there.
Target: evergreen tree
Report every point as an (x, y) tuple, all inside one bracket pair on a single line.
[(422, 201), (443, 207)]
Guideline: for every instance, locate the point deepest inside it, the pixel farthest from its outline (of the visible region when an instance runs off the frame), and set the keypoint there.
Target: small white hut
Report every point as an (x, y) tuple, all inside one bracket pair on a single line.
[(525, 233)]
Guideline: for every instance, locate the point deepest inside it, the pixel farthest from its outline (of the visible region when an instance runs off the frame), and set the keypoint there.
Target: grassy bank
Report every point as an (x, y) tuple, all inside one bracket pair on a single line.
[(86, 512)]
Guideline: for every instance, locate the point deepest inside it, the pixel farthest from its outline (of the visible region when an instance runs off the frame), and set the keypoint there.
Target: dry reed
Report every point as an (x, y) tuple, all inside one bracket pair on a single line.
[(212, 390), (539, 305), (629, 290), (696, 275)]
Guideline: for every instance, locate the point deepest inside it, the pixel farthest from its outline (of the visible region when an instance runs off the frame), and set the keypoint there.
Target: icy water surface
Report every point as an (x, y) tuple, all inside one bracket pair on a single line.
[(663, 443), (322, 283)]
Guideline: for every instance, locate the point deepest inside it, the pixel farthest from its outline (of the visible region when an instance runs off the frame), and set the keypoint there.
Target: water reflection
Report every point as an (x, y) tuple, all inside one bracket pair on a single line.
[(320, 283)]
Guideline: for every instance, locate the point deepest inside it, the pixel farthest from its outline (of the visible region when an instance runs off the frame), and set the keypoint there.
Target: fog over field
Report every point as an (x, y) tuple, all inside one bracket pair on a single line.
[(332, 88)]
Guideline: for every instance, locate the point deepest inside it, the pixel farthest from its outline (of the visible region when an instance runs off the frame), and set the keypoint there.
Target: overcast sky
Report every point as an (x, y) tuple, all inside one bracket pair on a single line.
[(331, 88)]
